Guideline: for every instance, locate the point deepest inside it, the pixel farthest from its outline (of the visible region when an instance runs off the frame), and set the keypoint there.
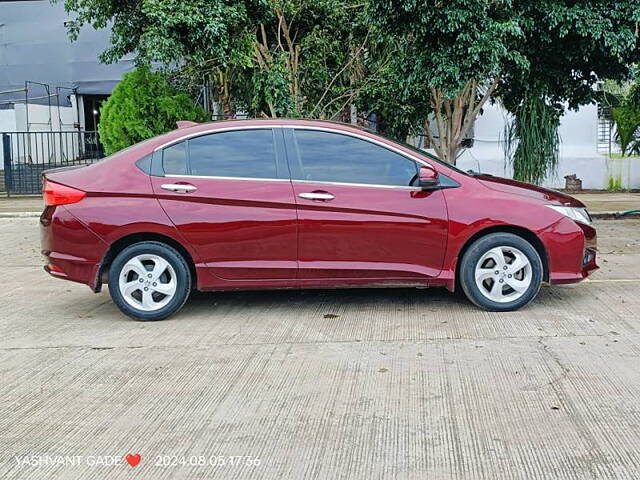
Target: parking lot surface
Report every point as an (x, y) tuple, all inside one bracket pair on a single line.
[(365, 384)]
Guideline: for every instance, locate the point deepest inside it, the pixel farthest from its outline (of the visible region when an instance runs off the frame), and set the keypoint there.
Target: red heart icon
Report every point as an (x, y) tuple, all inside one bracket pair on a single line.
[(133, 460)]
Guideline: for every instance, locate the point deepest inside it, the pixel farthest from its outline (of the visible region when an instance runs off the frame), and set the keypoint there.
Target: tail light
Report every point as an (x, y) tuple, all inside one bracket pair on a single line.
[(56, 194)]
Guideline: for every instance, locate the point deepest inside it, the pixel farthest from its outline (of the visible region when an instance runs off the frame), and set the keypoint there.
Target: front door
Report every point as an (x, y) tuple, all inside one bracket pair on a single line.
[(230, 196), (359, 215)]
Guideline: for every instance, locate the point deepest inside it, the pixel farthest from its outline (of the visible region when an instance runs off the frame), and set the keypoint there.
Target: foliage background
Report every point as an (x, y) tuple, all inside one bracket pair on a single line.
[(627, 119), (142, 106), (427, 66)]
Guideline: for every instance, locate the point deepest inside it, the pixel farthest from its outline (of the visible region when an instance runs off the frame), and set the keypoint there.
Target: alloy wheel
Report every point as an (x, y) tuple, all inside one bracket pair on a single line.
[(147, 282), (503, 274)]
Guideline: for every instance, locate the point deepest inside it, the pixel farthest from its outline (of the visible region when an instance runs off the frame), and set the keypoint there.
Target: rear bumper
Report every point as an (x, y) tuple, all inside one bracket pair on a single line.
[(71, 250), (572, 249)]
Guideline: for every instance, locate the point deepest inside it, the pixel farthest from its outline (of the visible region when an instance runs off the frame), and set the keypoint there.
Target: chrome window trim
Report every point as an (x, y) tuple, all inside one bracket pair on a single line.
[(213, 177), (295, 127), (215, 130), (307, 182), (346, 184)]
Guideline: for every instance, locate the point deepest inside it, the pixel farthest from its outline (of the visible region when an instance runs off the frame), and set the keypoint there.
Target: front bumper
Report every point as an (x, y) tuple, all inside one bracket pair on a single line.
[(572, 250)]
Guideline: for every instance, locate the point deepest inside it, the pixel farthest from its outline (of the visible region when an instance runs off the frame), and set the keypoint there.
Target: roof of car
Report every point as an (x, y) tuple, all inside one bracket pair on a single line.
[(267, 121), (185, 130)]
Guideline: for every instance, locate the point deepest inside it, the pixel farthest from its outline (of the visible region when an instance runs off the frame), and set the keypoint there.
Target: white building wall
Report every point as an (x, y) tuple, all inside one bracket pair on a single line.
[(43, 145), (41, 119), (7, 124), (7, 121), (578, 151)]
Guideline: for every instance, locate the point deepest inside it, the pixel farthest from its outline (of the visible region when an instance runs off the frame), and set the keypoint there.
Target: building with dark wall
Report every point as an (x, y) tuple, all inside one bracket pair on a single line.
[(35, 51)]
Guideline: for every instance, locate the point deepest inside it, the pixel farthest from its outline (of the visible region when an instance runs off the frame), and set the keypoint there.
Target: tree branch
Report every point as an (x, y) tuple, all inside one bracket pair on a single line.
[(337, 75), (436, 103), (427, 132), (473, 113)]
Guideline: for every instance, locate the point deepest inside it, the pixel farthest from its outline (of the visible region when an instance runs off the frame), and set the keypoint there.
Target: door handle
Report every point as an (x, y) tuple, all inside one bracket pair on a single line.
[(324, 196), (179, 187)]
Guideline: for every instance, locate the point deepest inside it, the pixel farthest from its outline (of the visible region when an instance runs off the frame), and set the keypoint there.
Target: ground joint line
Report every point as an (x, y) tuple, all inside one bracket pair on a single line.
[(621, 280)]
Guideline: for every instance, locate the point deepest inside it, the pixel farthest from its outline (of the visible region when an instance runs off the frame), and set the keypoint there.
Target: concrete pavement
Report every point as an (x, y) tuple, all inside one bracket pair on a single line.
[(321, 384), (21, 204), (610, 201)]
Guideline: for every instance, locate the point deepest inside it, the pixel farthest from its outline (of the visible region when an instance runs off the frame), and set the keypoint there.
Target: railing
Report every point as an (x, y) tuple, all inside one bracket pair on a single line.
[(606, 131), (27, 154)]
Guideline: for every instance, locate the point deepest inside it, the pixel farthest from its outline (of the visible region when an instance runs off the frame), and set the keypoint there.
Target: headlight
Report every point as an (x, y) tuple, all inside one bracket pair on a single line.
[(577, 214)]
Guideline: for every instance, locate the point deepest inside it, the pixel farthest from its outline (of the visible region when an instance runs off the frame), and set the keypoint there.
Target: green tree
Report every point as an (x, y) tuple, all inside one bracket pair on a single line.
[(627, 119), (142, 106), (309, 57), (210, 40), (458, 55), (269, 57), (532, 140), (422, 64)]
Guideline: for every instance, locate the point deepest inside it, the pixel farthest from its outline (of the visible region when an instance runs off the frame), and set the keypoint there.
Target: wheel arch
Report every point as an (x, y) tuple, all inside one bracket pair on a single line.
[(522, 232), (131, 239)]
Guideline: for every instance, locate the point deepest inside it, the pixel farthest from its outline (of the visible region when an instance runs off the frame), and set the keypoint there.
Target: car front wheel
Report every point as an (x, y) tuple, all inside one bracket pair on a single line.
[(149, 281), (501, 272)]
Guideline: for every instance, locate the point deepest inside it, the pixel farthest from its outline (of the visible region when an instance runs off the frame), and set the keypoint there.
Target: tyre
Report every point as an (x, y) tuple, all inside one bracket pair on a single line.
[(149, 281), (501, 272)]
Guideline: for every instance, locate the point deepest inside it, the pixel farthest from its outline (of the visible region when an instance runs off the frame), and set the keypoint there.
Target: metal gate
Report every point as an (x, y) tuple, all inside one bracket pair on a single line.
[(27, 154)]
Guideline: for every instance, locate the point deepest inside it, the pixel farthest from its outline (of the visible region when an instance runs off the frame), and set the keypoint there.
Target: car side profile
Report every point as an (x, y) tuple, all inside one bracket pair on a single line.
[(270, 204)]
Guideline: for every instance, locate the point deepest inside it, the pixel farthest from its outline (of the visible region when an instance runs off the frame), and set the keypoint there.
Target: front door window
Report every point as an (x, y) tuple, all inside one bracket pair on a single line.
[(333, 157)]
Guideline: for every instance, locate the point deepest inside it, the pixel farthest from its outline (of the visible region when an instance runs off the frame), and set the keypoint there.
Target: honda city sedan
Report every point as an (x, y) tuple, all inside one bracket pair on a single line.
[(271, 204)]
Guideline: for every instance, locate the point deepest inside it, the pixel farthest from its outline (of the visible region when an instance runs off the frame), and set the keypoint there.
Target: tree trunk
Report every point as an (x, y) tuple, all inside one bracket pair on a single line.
[(453, 118), (219, 89)]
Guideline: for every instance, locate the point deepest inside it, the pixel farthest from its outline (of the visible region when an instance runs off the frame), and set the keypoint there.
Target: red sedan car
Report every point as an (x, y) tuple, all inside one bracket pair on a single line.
[(296, 204)]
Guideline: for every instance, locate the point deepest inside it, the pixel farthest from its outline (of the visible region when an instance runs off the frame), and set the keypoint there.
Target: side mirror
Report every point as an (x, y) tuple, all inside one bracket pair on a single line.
[(428, 178)]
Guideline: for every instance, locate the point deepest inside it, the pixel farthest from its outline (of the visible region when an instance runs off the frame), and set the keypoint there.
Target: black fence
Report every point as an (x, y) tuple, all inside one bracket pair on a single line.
[(27, 154)]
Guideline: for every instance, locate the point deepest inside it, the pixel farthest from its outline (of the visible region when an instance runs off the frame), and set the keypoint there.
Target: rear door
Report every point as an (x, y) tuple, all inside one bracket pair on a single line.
[(230, 196), (360, 216)]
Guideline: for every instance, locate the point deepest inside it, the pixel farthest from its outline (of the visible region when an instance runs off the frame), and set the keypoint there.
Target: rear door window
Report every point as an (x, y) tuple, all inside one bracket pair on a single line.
[(174, 159), (240, 153)]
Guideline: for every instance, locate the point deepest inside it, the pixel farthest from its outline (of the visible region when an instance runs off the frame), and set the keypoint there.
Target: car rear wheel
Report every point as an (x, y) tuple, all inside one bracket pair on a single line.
[(149, 281), (501, 272)]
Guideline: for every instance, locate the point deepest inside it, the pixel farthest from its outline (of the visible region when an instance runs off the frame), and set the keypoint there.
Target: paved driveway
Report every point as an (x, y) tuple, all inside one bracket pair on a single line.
[(321, 384)]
